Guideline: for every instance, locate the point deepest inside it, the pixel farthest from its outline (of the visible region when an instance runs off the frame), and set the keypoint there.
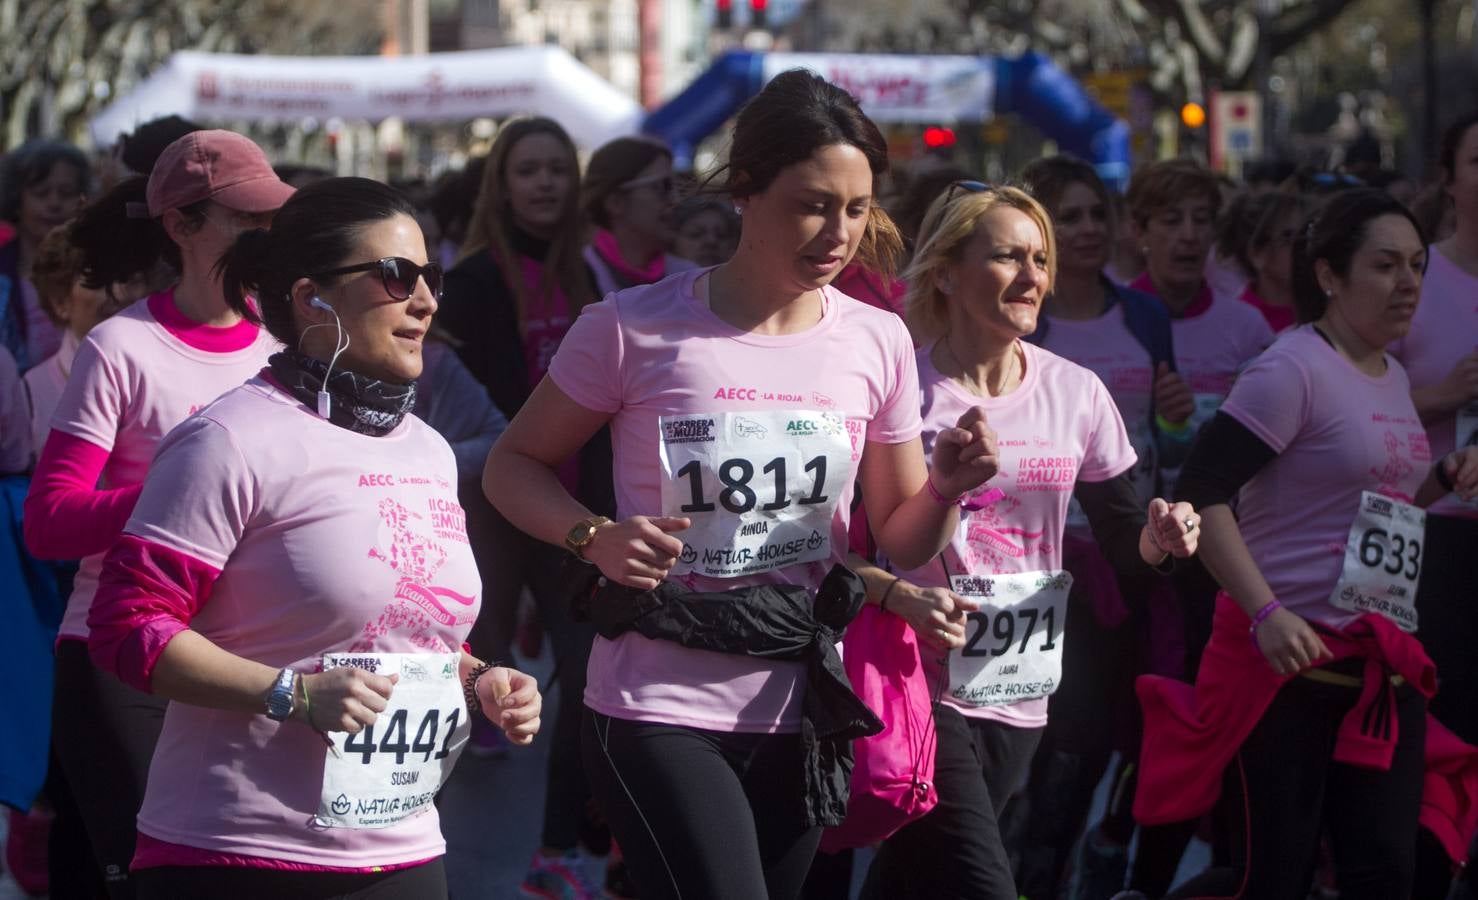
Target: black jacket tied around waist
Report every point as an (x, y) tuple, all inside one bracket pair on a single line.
[(768, 621)]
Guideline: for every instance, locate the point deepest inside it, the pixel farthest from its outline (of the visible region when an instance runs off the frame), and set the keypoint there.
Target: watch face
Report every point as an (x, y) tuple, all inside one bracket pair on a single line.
[(279, 706), (280, 698)]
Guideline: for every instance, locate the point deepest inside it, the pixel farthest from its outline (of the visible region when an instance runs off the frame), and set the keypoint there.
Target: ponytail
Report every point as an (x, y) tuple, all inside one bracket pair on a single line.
[(243, 269), (120, 242)]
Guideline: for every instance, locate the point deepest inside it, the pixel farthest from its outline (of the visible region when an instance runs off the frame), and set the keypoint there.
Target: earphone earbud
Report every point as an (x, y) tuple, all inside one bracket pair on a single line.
[(341, 343)]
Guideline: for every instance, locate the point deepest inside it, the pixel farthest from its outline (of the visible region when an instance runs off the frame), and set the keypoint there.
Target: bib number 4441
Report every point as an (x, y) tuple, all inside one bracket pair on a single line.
[(392, 739)]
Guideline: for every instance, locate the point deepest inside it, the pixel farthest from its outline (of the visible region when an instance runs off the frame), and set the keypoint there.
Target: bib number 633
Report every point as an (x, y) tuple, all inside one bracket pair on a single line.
[(1394, 554), (1382, 560)]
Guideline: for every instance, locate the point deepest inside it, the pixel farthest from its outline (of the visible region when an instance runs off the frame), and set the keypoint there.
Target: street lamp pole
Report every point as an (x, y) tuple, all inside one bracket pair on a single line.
[(1429, 81)]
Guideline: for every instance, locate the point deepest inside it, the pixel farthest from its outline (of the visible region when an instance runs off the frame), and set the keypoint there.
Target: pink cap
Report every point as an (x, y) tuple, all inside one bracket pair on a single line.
[(215, 165)]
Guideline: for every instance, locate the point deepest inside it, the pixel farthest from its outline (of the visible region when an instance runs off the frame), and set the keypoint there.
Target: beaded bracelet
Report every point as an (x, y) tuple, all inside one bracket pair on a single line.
[(1258, 619), (469, 686)]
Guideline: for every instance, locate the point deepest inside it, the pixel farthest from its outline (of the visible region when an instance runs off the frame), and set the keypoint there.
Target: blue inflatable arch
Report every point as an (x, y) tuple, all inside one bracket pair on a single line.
[(1030, 86)]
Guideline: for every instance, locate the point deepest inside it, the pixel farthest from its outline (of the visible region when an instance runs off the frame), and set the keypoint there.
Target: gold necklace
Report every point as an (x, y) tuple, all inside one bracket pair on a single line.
[(955, 359)]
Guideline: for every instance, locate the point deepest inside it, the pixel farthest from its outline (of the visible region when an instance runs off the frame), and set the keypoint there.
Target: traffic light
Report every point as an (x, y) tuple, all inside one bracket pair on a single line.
[(938, 138), (1193, 115), (725, 13), (757, 10)]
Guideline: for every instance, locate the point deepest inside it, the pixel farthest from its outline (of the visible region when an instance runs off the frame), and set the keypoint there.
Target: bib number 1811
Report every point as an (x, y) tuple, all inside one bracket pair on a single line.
[(738, 497)]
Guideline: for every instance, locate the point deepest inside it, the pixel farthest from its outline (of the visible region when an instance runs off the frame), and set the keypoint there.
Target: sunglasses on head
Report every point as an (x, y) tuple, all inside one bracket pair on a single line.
[(663, 183), (969, 187), (397, 273)]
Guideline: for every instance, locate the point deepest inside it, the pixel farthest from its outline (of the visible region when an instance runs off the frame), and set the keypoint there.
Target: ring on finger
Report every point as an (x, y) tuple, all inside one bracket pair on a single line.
[(1190, 524)]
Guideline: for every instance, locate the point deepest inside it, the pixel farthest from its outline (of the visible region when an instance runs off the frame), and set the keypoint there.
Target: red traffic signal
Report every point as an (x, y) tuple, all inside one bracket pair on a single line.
[(936, 138), (724, 10), (757, 10)]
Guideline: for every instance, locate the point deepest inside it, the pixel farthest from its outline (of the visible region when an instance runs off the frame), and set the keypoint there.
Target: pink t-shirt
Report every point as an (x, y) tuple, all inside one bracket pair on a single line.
[(1211, 347), (136, 376), (1059, 427), (1105, 346), (658, 350), (42, 336), (326, 541), (45, 382), (1444, 331), (1338, 432), (545, 321)]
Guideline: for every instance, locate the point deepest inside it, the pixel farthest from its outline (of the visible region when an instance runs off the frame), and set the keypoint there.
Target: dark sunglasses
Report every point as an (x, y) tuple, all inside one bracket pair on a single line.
[(969, 187), (397, 273)]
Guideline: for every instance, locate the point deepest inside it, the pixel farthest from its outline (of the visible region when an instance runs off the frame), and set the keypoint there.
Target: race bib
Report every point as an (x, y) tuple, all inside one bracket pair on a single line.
[(1383, 560), (761, 488), (1013, 644), (392, 769)]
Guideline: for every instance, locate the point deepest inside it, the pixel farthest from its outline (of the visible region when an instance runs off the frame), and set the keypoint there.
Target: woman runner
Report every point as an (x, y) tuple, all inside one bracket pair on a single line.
[(744, 401), (1311, 695), (296, 580), (135, 377), (997, 597)]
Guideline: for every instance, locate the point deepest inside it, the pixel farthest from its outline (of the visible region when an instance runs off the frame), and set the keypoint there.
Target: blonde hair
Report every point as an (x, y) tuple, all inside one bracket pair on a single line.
[(947, 227), (882, 243)]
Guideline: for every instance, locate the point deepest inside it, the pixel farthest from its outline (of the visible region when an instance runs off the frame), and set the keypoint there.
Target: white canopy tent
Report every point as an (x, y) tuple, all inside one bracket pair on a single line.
[(436, 87)]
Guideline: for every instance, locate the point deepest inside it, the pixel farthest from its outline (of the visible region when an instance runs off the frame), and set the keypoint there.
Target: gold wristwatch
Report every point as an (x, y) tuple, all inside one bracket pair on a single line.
[(583, 533)]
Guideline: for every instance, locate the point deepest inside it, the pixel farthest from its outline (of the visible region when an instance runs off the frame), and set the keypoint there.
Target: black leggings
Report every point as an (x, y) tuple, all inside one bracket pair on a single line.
[(1284, 790), (1447, 602), (702, 815), (424, 882), (1093, 713), (104, 734), (956, 851)]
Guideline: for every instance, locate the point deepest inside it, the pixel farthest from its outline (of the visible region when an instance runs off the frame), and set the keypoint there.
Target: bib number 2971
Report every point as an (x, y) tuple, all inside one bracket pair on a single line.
[(1013, 643)]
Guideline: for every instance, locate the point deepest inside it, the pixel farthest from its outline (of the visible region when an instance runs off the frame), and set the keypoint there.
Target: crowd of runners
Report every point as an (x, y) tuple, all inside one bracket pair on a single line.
[(875, 512)]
